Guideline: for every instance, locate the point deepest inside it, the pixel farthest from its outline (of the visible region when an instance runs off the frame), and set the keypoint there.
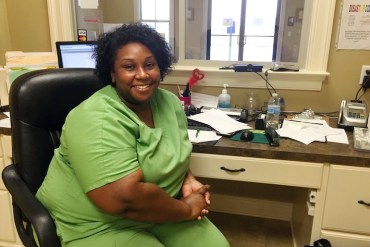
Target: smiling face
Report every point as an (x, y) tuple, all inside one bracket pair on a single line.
[(136, 74)]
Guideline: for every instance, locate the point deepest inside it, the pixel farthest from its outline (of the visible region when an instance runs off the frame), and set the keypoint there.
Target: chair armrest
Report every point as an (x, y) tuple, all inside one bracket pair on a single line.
[(31, 208)]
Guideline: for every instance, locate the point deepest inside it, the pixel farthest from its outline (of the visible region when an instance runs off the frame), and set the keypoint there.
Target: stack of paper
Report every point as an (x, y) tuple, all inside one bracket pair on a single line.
[(219, 121), (310, 130)]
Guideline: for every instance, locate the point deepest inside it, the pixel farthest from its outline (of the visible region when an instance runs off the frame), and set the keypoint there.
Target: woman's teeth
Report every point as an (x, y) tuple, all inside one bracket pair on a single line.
[(142, 87)]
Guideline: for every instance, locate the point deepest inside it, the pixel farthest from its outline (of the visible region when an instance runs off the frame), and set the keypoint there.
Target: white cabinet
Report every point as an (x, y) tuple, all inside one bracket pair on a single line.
[(274, 189), (6, 149), (8, 233), (346, 222)]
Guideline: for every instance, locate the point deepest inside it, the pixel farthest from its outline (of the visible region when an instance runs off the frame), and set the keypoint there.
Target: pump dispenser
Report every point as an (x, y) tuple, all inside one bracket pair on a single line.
[(224, 98)]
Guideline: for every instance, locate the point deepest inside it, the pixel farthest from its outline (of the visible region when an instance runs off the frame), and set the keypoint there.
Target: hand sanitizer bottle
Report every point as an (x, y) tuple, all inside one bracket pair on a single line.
[(224, 98)]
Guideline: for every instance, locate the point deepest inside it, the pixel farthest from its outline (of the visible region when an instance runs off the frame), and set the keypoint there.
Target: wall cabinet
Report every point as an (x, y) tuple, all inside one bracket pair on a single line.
[(346, 222)]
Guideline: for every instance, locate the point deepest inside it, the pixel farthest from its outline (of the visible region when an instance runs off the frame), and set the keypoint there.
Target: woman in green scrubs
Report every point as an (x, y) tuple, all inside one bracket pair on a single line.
[(121, 174)]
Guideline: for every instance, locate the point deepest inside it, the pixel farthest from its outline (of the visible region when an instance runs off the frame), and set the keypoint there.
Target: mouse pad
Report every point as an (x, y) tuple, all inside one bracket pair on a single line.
[(258, 137)]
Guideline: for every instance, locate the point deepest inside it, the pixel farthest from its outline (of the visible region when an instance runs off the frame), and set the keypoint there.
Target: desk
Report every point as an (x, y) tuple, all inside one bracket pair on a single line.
[(337, 174), (277, 182), (334, 153)]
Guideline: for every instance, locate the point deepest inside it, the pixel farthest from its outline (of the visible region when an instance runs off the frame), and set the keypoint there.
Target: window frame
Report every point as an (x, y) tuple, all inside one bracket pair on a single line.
[(314, 60)]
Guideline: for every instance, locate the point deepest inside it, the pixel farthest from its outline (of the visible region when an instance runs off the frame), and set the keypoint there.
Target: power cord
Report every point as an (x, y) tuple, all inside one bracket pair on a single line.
[(267, 81), (364, 88)]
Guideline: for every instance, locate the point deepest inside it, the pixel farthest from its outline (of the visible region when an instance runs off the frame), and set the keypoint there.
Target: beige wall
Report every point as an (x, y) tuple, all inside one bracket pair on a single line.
[(5, 40), (28, 24), (125, 15)]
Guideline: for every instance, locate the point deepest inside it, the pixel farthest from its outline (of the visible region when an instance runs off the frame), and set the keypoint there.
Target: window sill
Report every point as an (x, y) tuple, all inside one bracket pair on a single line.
[(214, 77)]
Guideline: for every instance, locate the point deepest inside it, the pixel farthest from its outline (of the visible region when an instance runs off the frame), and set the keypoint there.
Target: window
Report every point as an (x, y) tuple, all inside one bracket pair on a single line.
[(158, 14), (243, 30), (315, 38), (252, 31)]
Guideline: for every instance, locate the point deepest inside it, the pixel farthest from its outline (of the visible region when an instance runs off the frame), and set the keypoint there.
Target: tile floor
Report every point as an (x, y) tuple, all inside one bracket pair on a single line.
[(244, 231)]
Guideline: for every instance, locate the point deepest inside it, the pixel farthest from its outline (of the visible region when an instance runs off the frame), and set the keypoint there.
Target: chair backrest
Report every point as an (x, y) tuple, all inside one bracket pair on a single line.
[(39, 103)]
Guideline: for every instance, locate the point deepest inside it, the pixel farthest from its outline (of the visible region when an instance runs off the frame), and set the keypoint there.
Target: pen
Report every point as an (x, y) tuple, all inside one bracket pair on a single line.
[(180, 91), (197, 133), (303, 122)]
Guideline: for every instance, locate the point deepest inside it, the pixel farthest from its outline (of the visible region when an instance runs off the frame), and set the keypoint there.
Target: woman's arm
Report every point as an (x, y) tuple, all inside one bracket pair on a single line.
[(136, 200)]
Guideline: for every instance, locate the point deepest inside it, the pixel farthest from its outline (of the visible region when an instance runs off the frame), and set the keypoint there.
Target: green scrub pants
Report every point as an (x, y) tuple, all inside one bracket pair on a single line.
[(183, 234)]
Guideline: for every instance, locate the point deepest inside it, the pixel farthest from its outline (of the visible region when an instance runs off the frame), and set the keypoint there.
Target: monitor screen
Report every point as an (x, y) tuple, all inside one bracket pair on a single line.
[(75, 54)]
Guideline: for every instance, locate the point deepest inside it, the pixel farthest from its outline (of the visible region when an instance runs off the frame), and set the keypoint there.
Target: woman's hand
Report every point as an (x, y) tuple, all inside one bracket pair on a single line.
[(190, 186), (197, 203)]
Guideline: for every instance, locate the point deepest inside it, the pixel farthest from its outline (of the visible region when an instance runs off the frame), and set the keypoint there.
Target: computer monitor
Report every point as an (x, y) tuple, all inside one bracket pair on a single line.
[(75, 54)]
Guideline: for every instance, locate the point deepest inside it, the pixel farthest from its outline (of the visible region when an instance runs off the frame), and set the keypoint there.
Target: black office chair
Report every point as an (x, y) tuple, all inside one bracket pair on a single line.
[(39, 102)]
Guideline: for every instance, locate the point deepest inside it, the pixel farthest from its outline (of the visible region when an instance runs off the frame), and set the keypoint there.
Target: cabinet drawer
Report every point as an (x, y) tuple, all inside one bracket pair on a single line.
[(342, 212), (346, 240), (282, 172), (7, 228), (6, 147), (2, 185)]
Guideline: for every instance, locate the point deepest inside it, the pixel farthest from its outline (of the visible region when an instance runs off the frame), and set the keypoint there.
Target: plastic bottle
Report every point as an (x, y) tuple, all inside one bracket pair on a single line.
[(252, 105), (273, 112), (224, 98)]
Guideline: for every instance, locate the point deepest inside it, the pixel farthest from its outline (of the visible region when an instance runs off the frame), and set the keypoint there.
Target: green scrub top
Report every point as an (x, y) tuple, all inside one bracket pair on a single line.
[(102, 141)]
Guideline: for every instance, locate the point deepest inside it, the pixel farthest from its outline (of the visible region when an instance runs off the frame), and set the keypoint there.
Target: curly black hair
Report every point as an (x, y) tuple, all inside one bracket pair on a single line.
[(109, 43)]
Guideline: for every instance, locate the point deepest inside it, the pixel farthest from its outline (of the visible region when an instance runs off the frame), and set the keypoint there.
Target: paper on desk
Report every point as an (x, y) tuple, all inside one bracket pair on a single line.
[(200, 99), (310, 130), (5, 123), (341, 137), (203, 136), (218, 120)]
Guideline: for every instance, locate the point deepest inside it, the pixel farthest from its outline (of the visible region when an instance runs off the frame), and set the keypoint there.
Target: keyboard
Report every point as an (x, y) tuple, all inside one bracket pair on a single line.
[(198, 125)]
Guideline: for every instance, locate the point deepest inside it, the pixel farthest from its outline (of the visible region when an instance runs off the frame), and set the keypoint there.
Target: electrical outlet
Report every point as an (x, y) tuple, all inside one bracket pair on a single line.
[(363, 72)]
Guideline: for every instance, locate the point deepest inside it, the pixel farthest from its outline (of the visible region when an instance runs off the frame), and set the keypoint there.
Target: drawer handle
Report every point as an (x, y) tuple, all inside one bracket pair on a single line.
[(232, 170), (363, 203)]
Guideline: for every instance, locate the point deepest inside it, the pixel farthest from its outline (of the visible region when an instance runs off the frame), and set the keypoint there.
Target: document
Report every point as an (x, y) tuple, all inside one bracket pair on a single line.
[(219, 121), (197, 136), (5, 123), (310, 130), (200, 99), (354, 28)]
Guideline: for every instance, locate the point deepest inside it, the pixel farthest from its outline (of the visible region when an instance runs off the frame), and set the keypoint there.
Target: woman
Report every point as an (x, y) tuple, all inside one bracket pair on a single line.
[(120, 176)]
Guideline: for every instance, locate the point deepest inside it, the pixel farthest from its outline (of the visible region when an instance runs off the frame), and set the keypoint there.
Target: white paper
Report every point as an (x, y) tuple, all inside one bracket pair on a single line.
[(310, 130), (88, 4), (200, 99), (218, 120), (354, 32), (203, 136), (5, 123), (339, 138)]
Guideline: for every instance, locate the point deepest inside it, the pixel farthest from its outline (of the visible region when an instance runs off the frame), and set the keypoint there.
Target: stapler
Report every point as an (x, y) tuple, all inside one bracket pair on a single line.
[(272, 136)]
